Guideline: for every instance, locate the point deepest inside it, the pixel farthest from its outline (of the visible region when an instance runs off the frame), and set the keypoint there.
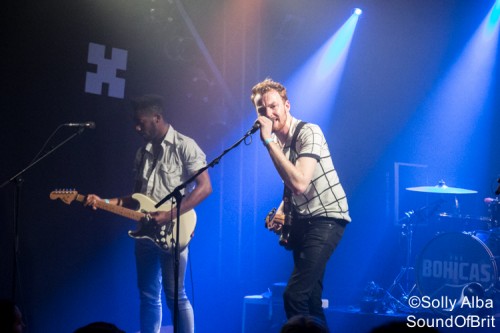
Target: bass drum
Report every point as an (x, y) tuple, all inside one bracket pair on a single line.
[(451, 261)]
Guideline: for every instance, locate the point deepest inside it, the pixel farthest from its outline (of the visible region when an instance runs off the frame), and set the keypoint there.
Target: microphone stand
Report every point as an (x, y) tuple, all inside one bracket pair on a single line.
[(18, 180), (176, 194)]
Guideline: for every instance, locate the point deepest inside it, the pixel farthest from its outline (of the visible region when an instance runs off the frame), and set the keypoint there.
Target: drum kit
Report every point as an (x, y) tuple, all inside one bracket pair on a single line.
[(464, 258)]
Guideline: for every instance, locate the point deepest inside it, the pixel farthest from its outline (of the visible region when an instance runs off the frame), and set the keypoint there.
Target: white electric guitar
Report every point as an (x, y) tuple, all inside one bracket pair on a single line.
[(161, 235)]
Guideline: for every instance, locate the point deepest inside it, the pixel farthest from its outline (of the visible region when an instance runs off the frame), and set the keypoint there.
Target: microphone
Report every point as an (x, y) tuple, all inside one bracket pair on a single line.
[(254, 128), (88, 124)]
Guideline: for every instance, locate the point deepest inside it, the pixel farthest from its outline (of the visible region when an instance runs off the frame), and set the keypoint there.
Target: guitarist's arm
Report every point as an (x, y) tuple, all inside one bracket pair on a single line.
[(92, 199), (202, 190)]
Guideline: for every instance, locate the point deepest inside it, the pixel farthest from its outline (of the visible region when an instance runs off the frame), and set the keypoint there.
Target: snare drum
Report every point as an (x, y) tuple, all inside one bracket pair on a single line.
[(494, 210), (458, 223), (451, 261)]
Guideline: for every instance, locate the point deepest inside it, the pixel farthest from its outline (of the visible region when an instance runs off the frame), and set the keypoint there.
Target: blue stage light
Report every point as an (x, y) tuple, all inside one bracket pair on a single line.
[(358, 11), (321, 75), (494, 17)]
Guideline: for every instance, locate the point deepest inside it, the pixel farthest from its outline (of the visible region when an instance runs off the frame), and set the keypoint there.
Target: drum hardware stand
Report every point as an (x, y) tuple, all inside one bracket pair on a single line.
[(402, 280), (458, 212)]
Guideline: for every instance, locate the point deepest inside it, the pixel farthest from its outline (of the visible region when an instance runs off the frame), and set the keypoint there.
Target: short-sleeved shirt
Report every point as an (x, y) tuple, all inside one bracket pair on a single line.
[(179, 159), (325, 196)]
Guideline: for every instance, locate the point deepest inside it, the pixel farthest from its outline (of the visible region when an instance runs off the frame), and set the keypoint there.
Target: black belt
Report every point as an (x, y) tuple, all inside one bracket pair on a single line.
[(321, 219)]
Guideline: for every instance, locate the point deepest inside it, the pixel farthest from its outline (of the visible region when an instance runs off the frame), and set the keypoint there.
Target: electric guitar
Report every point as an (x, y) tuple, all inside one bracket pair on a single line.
[(281, 225), (162, 236)]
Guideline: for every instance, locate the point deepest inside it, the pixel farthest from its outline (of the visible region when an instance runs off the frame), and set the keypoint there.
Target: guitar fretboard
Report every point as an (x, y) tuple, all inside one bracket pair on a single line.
[(122, 211)]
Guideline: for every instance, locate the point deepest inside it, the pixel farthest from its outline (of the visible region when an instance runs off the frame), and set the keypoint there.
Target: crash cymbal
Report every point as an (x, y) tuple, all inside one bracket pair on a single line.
[(441, 188)]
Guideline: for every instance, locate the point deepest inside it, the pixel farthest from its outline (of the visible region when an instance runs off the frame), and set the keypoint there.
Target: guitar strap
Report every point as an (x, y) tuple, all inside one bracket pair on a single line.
[(140, 166), (287, 193)]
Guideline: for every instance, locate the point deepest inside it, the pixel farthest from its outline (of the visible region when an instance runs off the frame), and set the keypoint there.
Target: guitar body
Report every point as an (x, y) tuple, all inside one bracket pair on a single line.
[(163, 235), (285, 233)]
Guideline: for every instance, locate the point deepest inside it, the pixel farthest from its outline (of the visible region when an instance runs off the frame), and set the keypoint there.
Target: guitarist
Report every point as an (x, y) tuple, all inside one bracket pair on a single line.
[(315, 198), (166, 160)]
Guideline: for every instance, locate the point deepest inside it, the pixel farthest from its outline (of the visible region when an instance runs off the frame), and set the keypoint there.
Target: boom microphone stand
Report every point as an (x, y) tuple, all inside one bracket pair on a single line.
[(18, 180), (177, 195)]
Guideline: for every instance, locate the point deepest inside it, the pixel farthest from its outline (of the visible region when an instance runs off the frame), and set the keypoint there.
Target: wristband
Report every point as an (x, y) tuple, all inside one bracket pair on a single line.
[(268, 141)]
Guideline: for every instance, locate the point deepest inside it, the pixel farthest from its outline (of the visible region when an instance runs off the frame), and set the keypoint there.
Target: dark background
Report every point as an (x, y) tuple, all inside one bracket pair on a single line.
[(76, 265)]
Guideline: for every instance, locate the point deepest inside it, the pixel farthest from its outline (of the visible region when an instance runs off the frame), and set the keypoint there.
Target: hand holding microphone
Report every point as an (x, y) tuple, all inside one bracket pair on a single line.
[(255, 127), (266, 127)]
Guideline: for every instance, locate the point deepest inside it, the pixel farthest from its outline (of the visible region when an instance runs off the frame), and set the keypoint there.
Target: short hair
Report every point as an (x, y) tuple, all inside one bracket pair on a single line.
[(148, 104), (267, 85), (304, 324), (99, 327)]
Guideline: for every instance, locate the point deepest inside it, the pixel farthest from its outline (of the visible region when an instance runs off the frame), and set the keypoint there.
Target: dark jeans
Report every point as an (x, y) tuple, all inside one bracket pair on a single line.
[(313, 244)]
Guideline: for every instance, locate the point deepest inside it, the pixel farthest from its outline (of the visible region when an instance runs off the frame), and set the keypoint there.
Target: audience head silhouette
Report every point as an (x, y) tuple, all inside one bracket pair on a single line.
[(11, 319)]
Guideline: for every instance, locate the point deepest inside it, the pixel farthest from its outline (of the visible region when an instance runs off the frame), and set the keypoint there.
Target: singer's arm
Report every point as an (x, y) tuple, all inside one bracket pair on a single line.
[(296, 177)]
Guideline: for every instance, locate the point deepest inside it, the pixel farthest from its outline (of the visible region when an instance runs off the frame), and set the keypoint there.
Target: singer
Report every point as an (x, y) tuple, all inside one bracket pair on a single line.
[(166, 161), (313, 197)]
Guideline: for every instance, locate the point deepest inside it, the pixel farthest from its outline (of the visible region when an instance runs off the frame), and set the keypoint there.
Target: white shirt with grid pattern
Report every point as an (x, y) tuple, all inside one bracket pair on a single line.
[(325, 195)]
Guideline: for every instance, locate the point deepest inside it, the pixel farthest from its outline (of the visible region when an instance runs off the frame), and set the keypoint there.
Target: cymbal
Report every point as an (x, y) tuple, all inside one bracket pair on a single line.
[(441, 188)]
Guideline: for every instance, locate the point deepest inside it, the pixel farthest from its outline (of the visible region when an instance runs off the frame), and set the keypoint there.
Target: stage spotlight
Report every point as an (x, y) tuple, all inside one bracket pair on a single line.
[(321, 74), (358, 11)]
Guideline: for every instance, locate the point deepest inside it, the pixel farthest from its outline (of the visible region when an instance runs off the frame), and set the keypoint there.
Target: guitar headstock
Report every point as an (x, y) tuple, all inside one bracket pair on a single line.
[(66, 196)]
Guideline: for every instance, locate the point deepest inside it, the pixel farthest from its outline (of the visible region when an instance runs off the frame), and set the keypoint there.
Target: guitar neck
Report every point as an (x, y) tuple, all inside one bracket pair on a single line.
[(122, 211)]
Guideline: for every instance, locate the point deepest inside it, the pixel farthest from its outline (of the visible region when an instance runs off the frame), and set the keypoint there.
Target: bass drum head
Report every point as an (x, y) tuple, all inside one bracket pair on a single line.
[(450, 261)]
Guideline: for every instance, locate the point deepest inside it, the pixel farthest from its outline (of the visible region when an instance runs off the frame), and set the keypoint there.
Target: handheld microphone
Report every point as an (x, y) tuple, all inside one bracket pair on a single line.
[(88, 124)]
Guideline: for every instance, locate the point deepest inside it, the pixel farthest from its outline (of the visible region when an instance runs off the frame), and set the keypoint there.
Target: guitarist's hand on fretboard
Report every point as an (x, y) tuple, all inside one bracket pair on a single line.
[(275, 220), (91, 200)]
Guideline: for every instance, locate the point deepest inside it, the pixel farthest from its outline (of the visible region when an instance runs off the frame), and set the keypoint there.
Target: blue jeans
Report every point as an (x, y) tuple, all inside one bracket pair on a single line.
[(155, 269), (313, 243)]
